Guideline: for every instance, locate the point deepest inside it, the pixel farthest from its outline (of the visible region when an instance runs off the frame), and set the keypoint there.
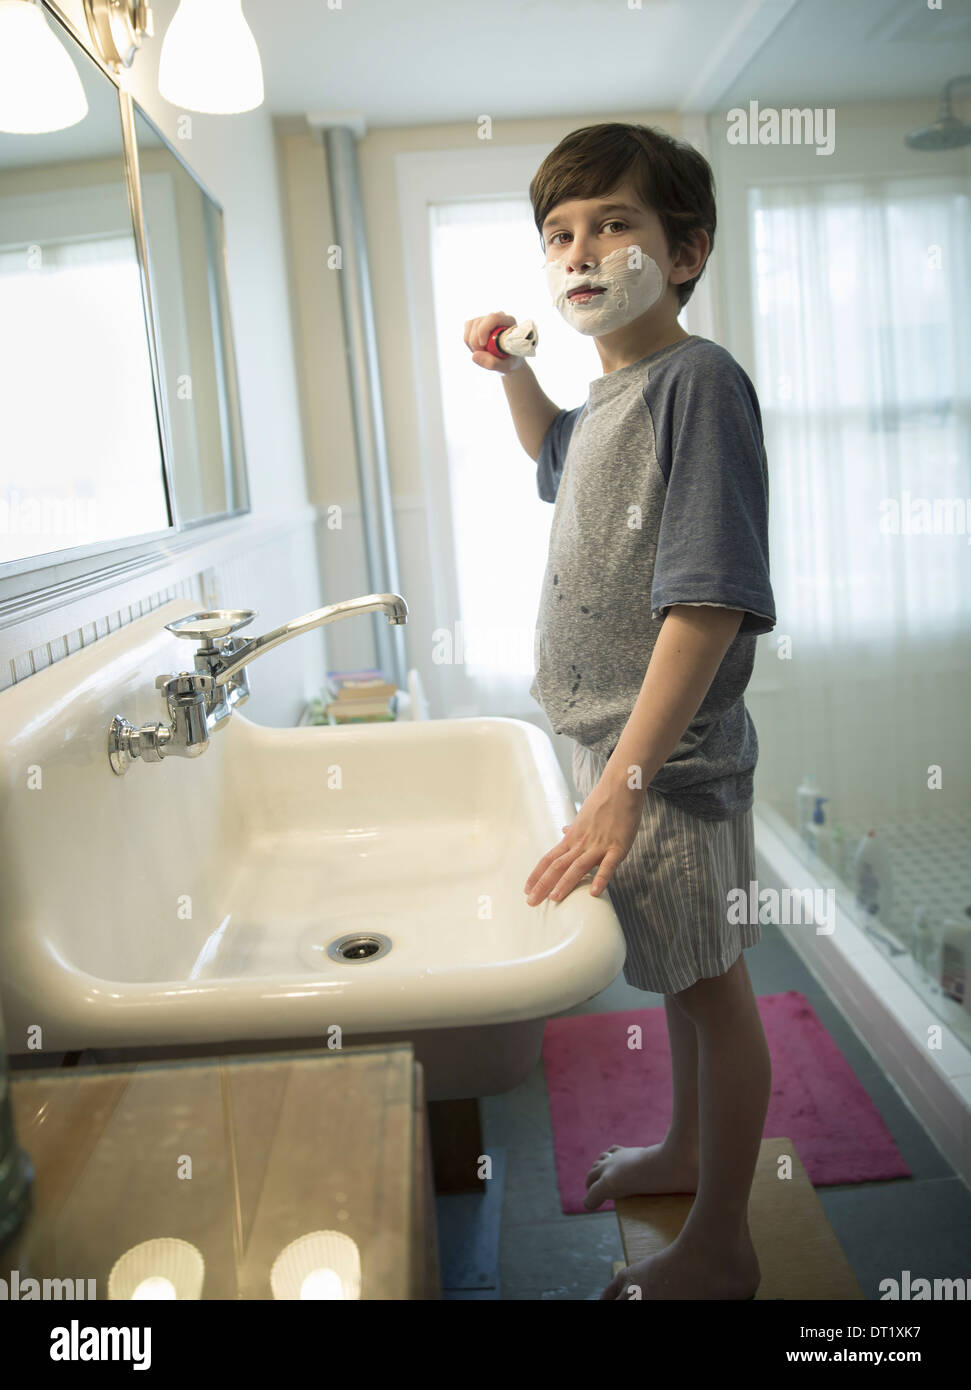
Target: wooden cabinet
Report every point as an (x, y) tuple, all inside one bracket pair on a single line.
[(240, 1157)]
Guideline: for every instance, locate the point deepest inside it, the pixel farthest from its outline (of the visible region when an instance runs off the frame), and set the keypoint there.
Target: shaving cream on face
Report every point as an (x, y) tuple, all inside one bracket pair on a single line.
[(629, 291)]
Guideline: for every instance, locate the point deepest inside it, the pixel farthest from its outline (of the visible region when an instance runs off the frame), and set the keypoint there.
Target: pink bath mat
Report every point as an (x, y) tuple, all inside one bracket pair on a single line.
[(602, 1093)]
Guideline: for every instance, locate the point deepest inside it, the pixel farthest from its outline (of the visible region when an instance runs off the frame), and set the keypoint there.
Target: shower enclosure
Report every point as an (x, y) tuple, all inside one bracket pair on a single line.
[(845, 291), (16, 1169)]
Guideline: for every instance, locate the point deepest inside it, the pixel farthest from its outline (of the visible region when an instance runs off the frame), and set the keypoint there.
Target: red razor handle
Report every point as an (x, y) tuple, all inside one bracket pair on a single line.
[(492, 346)]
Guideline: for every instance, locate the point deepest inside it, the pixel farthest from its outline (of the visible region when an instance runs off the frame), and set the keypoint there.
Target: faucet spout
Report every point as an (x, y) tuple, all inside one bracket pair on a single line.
[(391, 604), (193, 704)]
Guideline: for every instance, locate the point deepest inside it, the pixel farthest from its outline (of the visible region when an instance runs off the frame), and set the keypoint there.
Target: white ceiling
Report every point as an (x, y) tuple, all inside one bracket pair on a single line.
[(399, 62), (411, 62)]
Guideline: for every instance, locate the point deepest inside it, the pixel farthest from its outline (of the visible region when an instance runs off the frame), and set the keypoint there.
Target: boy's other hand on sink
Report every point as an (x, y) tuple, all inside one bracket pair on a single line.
[(603, 832)]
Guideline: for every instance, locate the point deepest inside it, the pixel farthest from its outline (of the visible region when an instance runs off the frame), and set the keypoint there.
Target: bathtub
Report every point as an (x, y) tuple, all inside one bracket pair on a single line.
[(884, 1002)]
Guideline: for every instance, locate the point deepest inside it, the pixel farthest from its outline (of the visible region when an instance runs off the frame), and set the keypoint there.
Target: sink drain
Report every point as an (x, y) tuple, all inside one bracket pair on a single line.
[(316, 944), (360, 946)]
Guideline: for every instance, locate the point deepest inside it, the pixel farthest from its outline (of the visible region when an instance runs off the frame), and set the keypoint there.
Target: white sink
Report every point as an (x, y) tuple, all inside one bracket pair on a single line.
[(187, 906)]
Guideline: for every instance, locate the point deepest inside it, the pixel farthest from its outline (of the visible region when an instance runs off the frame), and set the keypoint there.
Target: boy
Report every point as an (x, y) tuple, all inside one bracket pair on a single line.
[(656, 586)]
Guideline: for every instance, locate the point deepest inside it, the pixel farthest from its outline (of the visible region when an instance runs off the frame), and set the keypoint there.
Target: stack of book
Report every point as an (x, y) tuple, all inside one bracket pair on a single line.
[(355, 697)]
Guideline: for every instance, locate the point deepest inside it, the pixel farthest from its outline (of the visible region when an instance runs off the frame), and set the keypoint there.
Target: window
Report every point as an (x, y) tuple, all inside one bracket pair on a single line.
[(486, 256), (862, 325)]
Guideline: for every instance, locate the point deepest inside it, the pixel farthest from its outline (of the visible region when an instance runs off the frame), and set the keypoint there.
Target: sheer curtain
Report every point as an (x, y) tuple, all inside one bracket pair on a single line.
[(862, 328), (486, 256)]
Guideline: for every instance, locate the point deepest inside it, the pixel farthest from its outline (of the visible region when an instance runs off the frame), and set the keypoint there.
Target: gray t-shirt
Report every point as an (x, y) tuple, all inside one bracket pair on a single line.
[(662, 497)]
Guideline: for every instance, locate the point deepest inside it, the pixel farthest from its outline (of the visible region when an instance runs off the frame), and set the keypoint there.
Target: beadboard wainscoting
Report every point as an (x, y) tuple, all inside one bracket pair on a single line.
[(269, 565)]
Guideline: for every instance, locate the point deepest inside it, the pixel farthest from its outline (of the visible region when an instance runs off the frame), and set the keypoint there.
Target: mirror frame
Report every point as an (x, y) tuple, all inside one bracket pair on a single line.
[(132, 554), (224, 340)]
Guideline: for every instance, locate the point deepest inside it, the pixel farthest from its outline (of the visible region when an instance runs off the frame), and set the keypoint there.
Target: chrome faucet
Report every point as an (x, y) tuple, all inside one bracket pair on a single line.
[(202, 701)]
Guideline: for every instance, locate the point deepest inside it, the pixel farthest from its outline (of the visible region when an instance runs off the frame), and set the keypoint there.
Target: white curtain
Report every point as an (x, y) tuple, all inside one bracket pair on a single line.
[(862, 327), (486, 256)]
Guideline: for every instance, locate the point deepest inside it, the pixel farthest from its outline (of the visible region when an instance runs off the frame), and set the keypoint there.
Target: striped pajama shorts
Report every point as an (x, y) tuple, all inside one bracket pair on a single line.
[(671, 890)]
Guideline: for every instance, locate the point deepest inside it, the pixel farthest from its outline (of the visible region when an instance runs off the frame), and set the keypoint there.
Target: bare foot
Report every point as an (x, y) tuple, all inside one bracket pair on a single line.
[(683, 1272), (620, 1172)]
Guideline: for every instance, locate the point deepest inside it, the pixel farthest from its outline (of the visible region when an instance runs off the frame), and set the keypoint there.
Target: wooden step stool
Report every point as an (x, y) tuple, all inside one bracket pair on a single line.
[(798, 1252)]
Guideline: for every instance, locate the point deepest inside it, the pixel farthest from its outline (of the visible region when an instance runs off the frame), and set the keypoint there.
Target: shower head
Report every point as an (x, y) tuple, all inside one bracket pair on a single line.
[(947, 132)]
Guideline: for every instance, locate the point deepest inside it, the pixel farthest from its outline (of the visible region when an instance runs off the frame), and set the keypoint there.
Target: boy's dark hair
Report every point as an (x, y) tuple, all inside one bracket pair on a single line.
[(670, 177)]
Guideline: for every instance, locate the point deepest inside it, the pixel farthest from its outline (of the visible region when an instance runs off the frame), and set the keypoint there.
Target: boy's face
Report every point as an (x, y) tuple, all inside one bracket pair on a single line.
[(597, 283)]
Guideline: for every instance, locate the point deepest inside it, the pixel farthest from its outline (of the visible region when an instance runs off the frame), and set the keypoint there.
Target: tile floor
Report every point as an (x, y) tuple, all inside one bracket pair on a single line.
[(921, 1223)]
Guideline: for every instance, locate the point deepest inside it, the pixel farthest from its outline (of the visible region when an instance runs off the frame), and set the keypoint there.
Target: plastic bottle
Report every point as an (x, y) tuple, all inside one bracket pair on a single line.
[(923, 942), (837, 851), (16, 1168), (804, 805), (954, 959), (871, 878), (818, 831)]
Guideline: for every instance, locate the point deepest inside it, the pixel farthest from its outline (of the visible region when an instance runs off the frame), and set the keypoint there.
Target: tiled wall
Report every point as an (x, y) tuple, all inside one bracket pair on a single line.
[(273, 570), (26, 664)]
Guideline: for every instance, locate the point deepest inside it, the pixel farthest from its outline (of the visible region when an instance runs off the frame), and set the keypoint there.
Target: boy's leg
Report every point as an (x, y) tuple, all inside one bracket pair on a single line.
[(734, 1081), (672, 1165), (683, 1134), (712, 1257)]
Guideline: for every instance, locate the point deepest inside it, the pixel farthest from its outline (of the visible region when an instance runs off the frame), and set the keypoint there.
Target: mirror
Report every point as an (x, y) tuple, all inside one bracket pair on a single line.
[(80, 454), (184, 238)]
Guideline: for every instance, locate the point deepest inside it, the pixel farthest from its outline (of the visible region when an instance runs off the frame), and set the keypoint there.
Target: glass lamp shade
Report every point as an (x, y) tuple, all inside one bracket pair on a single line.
[(40, 89), (209, 60)]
